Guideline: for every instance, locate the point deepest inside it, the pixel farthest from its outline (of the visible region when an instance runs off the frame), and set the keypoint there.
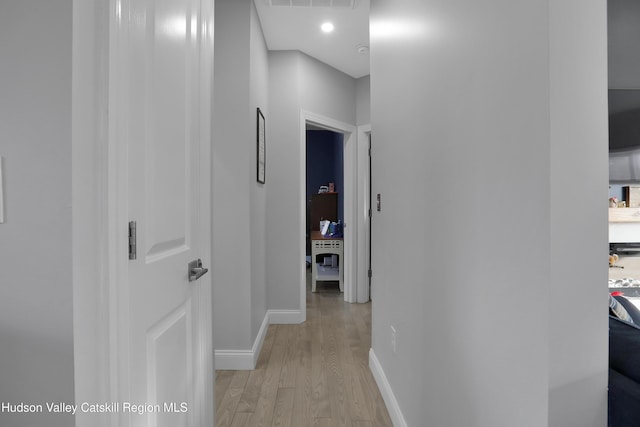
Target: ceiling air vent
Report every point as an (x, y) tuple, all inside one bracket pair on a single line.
[(313, 3)]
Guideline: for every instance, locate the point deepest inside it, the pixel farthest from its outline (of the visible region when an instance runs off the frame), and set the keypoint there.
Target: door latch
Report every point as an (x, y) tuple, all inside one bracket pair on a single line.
[(196, 270)]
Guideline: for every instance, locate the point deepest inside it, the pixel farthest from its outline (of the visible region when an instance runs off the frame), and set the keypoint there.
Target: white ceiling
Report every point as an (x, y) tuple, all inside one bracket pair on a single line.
[(297, 27)]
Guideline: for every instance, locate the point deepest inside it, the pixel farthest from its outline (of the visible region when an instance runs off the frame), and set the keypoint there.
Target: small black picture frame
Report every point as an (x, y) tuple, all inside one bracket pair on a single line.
[(262, 147)]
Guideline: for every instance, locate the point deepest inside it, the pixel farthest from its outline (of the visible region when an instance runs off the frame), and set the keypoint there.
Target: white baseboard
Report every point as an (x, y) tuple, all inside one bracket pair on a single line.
[(245, 360), (234, 360), (385, 389), (285, 317), (242, 360)]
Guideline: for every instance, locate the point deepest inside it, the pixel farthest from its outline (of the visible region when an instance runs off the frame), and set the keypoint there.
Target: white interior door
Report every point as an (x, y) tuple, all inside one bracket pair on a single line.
[(165, 73)]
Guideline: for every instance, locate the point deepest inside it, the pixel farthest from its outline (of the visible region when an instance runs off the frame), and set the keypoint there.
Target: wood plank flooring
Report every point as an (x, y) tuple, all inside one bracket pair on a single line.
[(313, 374)]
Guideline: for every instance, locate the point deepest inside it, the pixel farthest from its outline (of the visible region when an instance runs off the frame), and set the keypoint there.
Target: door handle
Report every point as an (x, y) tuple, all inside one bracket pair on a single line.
[(196, 270)]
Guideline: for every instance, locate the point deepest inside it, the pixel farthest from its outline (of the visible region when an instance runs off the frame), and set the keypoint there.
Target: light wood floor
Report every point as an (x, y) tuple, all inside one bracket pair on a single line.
[(312, 374)]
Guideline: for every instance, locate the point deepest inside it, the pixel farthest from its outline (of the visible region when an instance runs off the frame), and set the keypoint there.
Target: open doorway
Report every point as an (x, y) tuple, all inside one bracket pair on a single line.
[(353, 280), (325, 206), (364, 211), (623, 18), (330, 177)]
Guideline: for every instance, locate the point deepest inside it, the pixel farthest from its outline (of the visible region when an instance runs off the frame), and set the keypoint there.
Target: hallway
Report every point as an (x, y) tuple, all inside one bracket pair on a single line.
[(312, 374)]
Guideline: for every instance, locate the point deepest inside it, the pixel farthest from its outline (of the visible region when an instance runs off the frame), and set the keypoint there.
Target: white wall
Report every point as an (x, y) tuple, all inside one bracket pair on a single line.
[(326, 91), (578, 339), (363, 101), (296, 82), (231, 174), (465, 275), (36, 299), (259, 79), (240, 86), (283, 179)]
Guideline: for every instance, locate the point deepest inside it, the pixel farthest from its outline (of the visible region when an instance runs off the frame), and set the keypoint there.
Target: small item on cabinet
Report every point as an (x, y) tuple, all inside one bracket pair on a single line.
[(338, 230), (622, 204), (613, 258), (323, 189), (632, 195), (332, 228), (613, 202), (332, 187), (324, 227)]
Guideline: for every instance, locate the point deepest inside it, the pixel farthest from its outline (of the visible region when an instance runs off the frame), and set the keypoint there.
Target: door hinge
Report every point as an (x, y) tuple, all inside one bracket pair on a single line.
[(132, 240), (370, 213), (370, 273)]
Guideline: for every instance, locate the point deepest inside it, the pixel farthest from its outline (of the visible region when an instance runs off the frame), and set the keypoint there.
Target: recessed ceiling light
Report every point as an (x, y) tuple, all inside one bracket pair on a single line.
[(327, 27)]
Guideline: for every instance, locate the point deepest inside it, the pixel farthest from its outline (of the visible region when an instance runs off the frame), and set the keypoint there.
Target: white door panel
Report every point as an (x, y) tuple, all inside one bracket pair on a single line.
[(167, 370), (164, 127)]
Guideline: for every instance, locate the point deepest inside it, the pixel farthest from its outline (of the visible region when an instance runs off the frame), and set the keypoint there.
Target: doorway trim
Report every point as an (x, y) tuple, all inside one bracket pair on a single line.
[(350, 199), (363, 217), (92, 226)]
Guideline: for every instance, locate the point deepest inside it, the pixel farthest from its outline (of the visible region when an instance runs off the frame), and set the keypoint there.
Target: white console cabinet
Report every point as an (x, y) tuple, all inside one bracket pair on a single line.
[(624, 225), (321, 245)]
